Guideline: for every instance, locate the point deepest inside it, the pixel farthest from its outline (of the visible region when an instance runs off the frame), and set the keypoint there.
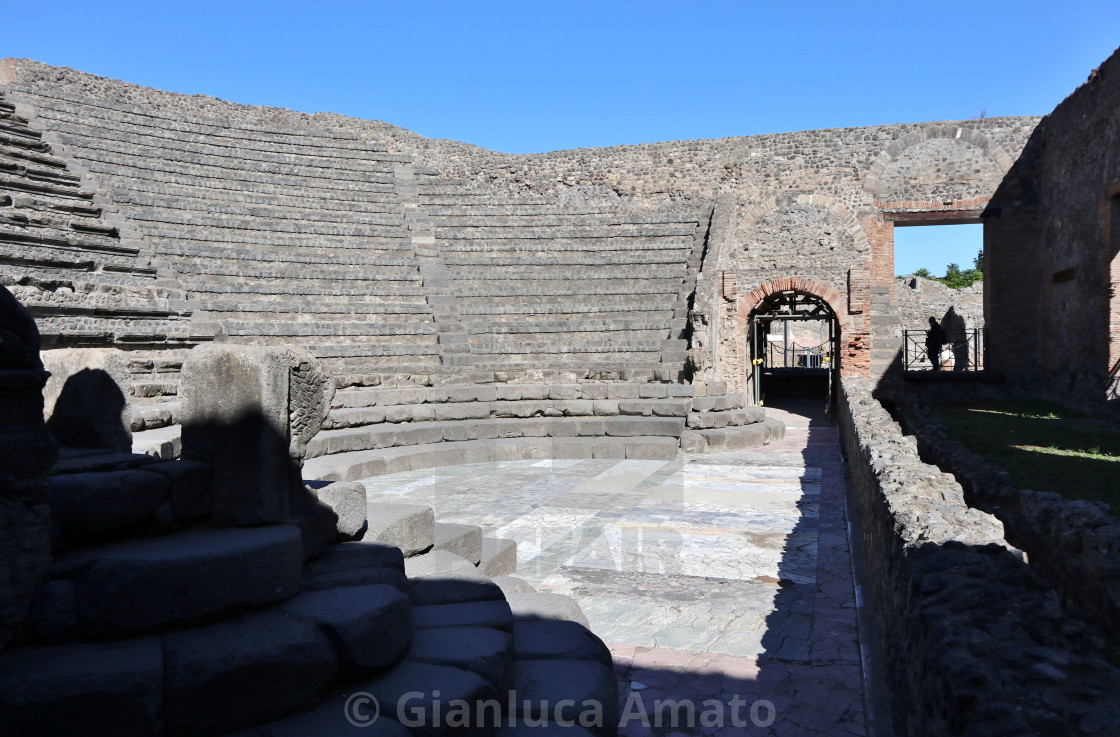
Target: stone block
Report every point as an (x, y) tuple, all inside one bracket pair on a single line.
[(235, 418), (693, 442), (347, 499), (590, 685), (540, 605), (462, 540), (182, 578), (545, 639), (92, 506), (331, 719), (513, 585), (355, 564), (499, 556), (190, 487), (102, 689), (408, 690), (487, 652), (495, 614), (651, 449), (236, 673), (410, 527), (87, 400), (370, 626)]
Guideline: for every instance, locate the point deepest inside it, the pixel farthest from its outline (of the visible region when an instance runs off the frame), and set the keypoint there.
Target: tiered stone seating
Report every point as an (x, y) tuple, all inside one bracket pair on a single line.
[(278, 235), (67, 262), (545, 285), (375, 431)]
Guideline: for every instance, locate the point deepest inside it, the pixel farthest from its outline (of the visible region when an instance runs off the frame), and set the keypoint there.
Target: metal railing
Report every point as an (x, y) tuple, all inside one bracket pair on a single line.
[(964, 351)]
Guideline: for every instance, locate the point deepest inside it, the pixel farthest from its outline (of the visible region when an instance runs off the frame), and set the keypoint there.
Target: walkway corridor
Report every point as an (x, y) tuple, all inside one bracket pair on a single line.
[(710, 577)]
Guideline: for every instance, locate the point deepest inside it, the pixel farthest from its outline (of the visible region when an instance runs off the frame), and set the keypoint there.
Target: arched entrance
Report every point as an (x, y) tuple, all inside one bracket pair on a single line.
[(793, 338)]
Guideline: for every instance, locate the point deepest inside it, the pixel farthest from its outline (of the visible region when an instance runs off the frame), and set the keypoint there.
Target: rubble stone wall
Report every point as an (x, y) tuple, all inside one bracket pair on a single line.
[(975, 638)]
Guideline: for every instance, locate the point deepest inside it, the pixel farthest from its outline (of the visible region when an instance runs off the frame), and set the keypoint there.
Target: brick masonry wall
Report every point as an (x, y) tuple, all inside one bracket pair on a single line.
[(816, 205), (1052, 250)]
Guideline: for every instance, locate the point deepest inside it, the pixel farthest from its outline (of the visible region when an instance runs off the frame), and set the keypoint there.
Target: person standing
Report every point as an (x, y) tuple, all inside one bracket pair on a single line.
[(935, 338)]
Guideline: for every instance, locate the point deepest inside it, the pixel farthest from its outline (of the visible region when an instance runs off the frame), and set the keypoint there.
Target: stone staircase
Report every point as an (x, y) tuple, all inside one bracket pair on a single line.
[(181, 603)]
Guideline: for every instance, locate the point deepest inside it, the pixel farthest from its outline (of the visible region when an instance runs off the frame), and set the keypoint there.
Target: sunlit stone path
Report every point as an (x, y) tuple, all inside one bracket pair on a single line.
[(722, 581)]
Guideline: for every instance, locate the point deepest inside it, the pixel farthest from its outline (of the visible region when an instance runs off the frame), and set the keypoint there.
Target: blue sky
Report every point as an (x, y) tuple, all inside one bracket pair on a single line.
[(534, 76)]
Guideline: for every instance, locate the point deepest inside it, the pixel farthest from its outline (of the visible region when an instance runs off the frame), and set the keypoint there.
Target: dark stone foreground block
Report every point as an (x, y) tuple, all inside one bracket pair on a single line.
[(370, 626), (232, 674), (91, 506), (546, 605), (408, 692), (330, 720), (110, 689), (548, 639), (592, 686), (178, 579), (493, 614), (355, 564), (487, 652)]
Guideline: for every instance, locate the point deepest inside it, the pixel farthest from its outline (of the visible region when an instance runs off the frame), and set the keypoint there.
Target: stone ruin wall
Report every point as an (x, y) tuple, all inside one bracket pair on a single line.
[(1052, 239), (817, 206)]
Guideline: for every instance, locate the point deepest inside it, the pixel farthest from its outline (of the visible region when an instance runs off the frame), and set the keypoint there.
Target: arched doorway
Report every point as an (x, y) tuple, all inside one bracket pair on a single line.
[(794, 339)]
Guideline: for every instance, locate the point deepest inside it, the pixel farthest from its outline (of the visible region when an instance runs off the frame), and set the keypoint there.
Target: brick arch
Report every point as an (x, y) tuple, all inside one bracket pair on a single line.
[(752, 213), (746, 303), (854, 348), (931, 131)]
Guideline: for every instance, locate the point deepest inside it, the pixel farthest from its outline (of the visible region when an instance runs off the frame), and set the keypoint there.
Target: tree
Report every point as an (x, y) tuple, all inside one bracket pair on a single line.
[(954, 277)]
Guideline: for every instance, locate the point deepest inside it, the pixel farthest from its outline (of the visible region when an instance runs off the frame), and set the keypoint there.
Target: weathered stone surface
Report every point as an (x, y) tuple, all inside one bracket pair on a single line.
[(494, 614), (181, 578), (462, 540), (191, 482), (542, 605), (499, 556), (590, 685), (331, 719), (55, 614), (91, 506), (108, 689), (487, 652), (235, 419), (355, 564), (370, 626), (410, 527), (87, 399), (236, 673), (513, 585), (441, 577), (348, 501), (419, 682), (547, 639)]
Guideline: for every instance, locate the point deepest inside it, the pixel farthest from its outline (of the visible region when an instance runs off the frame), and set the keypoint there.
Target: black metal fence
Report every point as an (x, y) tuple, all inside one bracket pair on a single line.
[(964, 351)]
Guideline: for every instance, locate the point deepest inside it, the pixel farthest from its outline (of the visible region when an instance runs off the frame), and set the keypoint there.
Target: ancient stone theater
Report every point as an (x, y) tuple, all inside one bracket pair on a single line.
[(302, 409)]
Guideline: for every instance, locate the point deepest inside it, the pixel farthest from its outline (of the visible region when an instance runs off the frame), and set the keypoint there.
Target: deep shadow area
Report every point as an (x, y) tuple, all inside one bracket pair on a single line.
[(88, 413)]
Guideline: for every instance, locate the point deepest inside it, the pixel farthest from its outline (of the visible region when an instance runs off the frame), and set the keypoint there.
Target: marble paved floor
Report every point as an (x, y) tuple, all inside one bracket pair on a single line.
[(718, 579)]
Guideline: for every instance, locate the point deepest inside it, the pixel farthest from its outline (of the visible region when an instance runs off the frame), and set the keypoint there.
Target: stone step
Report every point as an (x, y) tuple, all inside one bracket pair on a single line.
[(442, 577), (390, 435), (545, 639), (184, 578), (486, 652), (462, 540), (410, 527), (154, 415), (732, 438), (367, 463), (728, 418), (539, 684), (412, 413), (165, 442), (495, 393), (711, 402), (499, 556), (355, 564), (236, 673), (103, 505)]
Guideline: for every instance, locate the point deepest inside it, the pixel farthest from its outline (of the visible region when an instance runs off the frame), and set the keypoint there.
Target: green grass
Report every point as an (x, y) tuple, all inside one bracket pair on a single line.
[(1042, 446)]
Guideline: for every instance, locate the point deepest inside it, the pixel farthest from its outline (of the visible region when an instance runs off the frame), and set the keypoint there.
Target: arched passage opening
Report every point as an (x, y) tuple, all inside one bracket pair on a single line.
[(793, 338)]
